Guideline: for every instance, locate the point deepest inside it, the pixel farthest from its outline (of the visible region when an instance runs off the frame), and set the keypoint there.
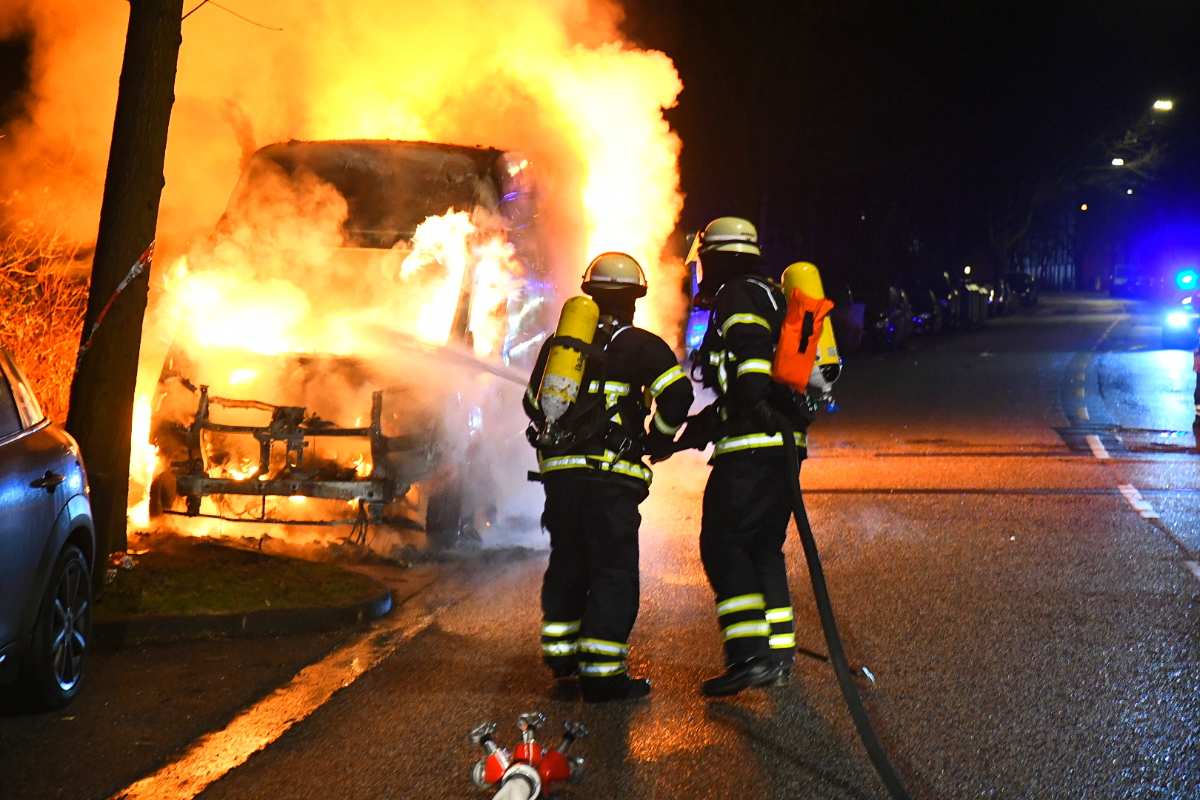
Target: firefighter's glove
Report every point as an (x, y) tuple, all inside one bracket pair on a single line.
[(533, 433), (699, 430), (766, 418), (659, 447)]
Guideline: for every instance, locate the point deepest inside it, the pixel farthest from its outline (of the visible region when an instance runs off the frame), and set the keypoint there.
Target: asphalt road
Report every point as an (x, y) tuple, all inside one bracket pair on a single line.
[(1008, 525)]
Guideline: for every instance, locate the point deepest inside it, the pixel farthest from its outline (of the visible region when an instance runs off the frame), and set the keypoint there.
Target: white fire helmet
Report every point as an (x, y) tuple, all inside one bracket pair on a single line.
[(730, 235), (614, 271)]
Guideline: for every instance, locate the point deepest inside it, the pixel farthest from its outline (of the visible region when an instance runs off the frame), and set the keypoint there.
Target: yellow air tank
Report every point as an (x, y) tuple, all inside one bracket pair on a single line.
[(565, 364), (804, 276)]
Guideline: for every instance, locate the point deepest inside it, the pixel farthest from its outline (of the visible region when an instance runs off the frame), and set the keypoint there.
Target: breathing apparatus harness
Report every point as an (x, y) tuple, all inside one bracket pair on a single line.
[(710, 366), (589, 418)]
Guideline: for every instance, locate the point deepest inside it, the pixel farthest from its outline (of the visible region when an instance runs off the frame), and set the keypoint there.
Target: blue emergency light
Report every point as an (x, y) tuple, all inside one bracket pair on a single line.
[(1187, 279), (1178, 320), (697, 326)]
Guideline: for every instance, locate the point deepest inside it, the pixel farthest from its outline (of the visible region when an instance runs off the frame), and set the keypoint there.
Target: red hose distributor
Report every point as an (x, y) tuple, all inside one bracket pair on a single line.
[(530, 771)]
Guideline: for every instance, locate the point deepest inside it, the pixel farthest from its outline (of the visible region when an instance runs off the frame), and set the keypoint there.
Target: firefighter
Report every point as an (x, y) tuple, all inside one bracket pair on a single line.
[(747, 501), (1195, 305), (595, 483), (1196, 391)]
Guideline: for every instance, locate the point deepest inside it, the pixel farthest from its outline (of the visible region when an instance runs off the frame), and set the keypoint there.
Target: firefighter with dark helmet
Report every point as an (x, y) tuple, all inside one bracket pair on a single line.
[(747, 500), (590, 464)]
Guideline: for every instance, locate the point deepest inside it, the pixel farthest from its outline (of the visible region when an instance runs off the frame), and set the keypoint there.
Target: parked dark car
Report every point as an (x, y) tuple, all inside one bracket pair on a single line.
[(926, 311), (887, 317), (1024, 288), (949, 297), (47, 549), (997, 298)]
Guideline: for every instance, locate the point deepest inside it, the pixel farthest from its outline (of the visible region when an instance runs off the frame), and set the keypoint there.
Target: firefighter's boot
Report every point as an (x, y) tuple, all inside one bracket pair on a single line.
[(564, 668), (760, 671)]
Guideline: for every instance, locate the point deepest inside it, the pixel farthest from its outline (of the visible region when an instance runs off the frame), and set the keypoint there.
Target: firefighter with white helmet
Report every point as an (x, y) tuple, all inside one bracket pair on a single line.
[(747, 501), (590, 464)]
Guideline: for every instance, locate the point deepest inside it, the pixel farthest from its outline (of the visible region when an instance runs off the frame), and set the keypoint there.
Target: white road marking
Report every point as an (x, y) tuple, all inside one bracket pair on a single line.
[(1097, 446), (1080, 377), (1137, 502), (212, 756)]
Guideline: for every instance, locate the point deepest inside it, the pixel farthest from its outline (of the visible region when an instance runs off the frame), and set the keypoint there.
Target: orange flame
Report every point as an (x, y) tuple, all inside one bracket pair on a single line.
[(143, 463), (553, 79)]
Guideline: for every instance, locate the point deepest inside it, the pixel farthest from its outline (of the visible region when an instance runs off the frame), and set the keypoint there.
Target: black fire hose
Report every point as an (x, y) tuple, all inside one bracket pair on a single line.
[(837, 655)]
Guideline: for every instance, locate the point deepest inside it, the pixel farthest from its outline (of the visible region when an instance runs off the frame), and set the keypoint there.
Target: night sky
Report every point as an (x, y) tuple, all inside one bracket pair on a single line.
[(937, 122), (929, 119)]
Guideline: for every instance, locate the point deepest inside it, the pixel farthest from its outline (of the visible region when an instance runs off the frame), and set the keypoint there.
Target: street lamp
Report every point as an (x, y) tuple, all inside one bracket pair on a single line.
[(1083, 206), (1118, 162), (1129, 191), (1163, 104), (967, 269)]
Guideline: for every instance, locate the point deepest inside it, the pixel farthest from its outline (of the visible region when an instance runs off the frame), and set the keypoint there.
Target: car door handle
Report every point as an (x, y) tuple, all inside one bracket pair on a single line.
[(49, 481)]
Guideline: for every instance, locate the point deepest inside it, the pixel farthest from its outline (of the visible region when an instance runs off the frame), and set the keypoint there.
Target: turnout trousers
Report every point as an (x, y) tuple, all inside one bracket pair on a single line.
[(1196, 391), (747, 509), (590, 589)]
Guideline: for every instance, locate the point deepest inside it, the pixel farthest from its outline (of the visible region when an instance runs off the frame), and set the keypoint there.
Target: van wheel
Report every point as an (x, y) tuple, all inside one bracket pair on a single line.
[(444, 517), (162, 494), (63, 632)]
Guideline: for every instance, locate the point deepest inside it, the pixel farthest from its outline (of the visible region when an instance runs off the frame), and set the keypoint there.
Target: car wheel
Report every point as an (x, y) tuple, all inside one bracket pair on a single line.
[(162, 494), (444, 516), (62, 635)]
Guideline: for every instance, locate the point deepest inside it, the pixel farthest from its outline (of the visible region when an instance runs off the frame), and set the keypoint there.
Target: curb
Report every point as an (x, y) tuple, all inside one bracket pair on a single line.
[(267, 622)]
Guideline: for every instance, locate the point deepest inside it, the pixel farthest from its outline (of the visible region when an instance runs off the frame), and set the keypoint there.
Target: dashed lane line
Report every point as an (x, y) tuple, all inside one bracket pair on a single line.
[(1097, 447), (1139, 504), (1082, 363), (1147, 512)]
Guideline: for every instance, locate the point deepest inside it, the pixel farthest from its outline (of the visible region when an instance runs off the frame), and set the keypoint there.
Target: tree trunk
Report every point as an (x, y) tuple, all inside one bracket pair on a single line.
[(101, 412)]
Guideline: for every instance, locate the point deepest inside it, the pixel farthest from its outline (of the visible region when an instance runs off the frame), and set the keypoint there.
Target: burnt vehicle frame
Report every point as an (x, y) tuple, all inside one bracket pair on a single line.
[(296, 430)]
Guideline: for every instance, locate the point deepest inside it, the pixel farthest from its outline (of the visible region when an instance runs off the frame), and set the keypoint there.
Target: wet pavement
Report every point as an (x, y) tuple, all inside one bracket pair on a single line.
[(1007, 521)]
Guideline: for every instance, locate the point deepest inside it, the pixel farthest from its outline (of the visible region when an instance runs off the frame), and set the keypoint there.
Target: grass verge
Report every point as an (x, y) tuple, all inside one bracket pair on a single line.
[(184, 576)]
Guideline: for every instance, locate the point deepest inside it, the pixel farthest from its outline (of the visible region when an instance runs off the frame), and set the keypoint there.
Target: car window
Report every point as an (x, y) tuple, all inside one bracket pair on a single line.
[(27, 405), (10, 421)]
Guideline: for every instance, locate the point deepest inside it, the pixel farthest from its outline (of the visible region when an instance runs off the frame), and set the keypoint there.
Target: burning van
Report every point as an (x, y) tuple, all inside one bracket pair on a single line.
[(339, 346)]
